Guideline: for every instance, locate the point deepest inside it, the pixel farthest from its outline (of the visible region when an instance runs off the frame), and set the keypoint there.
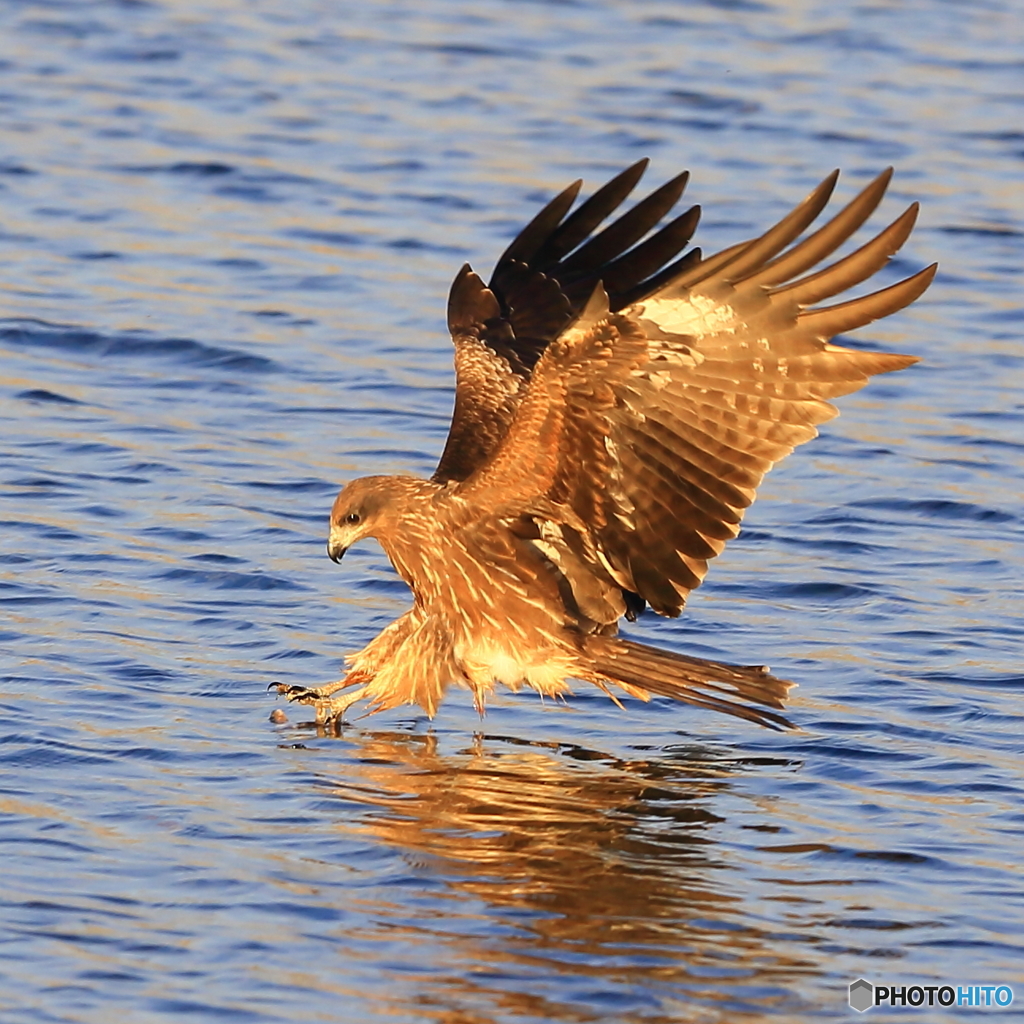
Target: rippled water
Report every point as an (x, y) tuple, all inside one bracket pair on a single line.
[(226, 235)]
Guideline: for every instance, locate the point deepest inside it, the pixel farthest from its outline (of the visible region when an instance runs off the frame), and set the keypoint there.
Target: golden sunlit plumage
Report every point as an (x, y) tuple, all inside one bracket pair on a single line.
[(617, 406)]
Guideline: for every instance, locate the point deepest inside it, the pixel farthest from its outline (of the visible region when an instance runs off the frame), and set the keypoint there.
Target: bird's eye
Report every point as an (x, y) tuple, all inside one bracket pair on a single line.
[(352, 517)]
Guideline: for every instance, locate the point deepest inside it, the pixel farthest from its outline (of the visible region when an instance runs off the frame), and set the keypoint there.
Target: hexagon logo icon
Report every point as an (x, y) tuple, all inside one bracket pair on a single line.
[(862, 995)]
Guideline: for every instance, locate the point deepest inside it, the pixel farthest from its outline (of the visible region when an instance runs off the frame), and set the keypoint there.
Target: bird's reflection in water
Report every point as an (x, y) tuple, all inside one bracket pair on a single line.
[(567, 863)]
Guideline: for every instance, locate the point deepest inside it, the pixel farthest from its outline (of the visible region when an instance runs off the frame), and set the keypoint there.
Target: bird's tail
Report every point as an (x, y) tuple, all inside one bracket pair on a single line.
[(643, 671)]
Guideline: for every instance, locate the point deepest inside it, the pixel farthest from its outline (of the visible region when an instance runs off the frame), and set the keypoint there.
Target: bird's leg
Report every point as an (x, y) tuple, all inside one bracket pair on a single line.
[(333, 710), (320, 697)]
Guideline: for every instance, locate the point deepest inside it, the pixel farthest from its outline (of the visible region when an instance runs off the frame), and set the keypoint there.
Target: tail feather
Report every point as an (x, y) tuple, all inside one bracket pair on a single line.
[(706, 684)]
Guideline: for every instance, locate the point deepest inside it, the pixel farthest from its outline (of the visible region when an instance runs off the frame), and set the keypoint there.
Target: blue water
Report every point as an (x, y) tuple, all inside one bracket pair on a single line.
[(227, 231)]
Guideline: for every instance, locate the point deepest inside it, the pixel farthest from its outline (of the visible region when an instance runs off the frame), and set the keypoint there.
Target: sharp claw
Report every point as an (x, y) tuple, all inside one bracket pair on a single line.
[(293, 693)]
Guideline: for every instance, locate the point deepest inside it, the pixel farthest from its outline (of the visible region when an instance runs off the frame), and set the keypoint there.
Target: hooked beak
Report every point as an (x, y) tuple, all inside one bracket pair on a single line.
[(335, 551)]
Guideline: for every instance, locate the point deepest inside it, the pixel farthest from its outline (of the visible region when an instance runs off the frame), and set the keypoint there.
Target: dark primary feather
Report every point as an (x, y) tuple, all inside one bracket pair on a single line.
[(542, 282), (586, 262), (577, 227)]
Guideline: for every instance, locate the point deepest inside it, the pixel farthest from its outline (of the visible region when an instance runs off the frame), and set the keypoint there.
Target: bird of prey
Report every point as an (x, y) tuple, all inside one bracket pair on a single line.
[(617, 405)]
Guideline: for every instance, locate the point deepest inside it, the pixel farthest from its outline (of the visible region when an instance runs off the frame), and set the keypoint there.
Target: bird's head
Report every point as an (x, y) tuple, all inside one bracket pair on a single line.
[(362, 509)]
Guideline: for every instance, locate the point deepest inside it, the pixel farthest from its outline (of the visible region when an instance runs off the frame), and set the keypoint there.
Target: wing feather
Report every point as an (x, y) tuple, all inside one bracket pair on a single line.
[(647, 431), (647, 258), (540, 285), (756, 253), (532, 238), (856, 267), (833, 320), (590, 257), (588, 215), (827, 238)]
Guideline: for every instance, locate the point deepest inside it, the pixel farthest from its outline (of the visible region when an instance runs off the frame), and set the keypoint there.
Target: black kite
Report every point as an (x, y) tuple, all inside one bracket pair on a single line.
[(617, 406)]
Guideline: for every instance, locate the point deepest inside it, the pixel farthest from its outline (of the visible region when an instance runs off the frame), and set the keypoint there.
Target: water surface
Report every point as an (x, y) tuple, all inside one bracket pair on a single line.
[(227, 231)]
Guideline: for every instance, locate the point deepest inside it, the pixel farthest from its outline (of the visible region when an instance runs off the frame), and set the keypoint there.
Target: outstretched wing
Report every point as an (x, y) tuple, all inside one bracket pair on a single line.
[(643, 435), (539, 287)]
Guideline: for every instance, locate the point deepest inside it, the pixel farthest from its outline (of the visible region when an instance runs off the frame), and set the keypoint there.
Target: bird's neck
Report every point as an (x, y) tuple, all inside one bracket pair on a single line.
[(413, 535)]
